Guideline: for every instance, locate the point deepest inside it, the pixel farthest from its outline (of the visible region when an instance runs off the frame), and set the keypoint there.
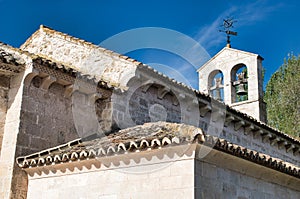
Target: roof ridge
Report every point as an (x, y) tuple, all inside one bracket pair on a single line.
[(85, 43)]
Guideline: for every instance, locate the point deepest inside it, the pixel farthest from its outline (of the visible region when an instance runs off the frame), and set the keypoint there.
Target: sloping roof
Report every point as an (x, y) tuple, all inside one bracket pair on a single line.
[(78, 41), (276, 134), (11, 61), (81, 42), (150, 136), (142, 137)]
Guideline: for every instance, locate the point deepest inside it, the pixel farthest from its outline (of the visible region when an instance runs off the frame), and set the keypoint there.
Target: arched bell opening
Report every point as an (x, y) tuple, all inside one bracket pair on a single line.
[(216, 85), (239, 79)]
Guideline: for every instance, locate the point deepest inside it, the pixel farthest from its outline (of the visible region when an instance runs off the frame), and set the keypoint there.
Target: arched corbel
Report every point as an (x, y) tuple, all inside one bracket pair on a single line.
[(258, 132), (162, 91), (228, 120), (282, 143), (28, 79), (249, 129), (204, 109), (70, 89), (266, 137), (175, 101), (238, 125), (147, 85), (296, 150), (289, 147), (274, 140), (47, 81)]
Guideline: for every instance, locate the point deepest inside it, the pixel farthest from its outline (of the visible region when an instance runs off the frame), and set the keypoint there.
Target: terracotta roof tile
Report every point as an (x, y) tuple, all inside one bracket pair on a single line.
[(142, 137), (150, 136)]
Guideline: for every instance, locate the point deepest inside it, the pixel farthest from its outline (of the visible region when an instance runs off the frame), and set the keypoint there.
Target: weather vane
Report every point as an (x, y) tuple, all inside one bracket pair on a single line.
[(227, 25)]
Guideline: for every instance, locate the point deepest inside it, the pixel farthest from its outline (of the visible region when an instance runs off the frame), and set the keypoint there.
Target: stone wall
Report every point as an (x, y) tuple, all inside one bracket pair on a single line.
[(145, 179), (140, 104), (249, 139), (103, 108), (39, 116), (217, 181), (144, 105), (225, 61), (46, 118), (153, 174), (43, 119), (82, 55), (258, 143), (13, 182), (4, 87)]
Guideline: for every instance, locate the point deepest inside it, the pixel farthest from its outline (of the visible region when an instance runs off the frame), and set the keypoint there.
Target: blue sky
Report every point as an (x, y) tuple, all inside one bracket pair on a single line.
[(266, 27)]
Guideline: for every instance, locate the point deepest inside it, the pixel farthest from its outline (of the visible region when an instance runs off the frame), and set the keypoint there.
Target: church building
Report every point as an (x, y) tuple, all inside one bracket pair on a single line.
[(81, 121)]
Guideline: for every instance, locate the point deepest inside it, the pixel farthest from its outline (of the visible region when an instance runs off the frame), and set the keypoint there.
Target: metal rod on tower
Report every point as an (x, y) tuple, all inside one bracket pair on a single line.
[(227, 25)]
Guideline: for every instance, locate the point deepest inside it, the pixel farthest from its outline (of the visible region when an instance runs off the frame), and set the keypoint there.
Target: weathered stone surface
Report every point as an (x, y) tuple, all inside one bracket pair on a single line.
[(146, 179), (4, 87), (214, 181), (49, 105), (9, 171), (225, 61), (45, 114), (86, 57)]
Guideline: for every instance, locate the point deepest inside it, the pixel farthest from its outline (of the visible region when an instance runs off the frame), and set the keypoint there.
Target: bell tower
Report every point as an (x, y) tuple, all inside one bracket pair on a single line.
[(235, 77)]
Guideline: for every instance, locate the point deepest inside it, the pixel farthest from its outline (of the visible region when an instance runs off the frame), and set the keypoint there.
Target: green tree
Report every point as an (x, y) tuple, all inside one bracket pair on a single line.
[(283, 97)]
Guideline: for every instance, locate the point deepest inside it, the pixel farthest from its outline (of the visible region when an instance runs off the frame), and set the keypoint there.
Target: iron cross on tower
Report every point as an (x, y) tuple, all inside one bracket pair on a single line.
[(227, 25)]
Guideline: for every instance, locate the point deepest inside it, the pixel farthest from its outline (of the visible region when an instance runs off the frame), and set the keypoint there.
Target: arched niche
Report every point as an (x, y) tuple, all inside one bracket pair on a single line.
[(239, 86), (216, 85)]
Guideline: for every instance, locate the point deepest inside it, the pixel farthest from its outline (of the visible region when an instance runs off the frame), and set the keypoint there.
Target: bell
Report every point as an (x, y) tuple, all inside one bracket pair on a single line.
[(241, 89)]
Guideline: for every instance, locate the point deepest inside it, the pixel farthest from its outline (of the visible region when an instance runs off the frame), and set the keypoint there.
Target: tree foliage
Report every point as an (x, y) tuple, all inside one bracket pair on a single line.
[(283, 97)]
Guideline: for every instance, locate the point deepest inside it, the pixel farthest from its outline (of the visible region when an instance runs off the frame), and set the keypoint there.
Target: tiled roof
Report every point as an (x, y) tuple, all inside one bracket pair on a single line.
[(150, 136), (142, 137), (253, 156), (170, 80), (11, 61), (276, 133), (81, 42)]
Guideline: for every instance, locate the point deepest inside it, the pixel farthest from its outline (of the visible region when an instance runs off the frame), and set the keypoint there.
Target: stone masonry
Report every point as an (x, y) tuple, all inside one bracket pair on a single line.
[(4, 86), (73, 89), (140, 169), (226, 61)]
